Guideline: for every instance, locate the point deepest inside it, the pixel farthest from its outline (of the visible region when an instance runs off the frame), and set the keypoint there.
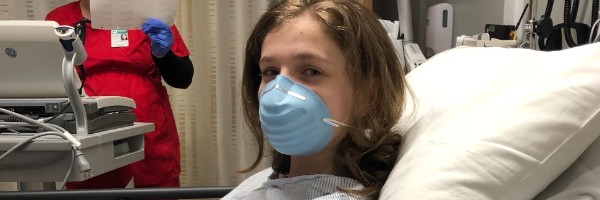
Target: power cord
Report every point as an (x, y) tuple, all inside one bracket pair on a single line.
[(82, 162), (84, 165), (28, 140), (594, 39), (62, 111), (74, 142)]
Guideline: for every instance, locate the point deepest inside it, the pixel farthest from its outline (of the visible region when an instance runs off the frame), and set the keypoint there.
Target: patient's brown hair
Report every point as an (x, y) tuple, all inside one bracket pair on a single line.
[(369, 151)]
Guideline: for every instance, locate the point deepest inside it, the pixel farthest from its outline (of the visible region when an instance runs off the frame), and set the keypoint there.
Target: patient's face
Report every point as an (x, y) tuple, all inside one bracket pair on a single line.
[(301, 51)]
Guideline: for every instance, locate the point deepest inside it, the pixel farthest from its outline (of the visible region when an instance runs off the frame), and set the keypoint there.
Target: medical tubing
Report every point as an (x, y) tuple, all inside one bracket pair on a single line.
[(4, 128), (64, 182), (549, 7), (17, 146), (574, 10), (74, 142), (13, 124), (83, 163), (63, 109), (592, 38), (62, 130), (595, 7), (595, 4), (547, 13), (14, 148), (597, 33), (567, 22), (29, 120)]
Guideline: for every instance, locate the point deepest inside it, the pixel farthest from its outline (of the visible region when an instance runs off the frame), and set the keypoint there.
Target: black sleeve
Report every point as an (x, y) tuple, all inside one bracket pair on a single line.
[(176, 71)]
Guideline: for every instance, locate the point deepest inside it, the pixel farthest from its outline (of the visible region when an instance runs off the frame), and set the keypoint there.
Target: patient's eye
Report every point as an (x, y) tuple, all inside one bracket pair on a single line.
[(268, 74), (311, 71)]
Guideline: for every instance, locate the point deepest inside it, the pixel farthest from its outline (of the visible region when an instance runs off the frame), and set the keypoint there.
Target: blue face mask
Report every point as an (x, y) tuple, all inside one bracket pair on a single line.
[(293, 118)]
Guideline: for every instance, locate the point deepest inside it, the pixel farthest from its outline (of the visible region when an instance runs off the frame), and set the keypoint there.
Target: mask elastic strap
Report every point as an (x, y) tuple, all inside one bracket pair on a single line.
[(334, 122)]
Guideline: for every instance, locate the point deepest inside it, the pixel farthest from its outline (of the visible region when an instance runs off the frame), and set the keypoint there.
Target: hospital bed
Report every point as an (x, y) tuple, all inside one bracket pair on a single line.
[(126, 193), (499, 123)]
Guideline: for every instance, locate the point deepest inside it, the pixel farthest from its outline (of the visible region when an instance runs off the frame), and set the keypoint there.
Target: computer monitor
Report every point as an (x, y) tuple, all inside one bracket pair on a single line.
[(31, 58)]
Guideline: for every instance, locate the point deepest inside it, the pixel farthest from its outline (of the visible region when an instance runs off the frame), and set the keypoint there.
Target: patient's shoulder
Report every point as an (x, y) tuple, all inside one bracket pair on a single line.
[(268, 185), (250, 184)]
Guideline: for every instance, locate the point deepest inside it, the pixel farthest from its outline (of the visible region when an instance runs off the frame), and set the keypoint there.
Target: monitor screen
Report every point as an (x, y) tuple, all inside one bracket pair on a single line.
[(31, 57)]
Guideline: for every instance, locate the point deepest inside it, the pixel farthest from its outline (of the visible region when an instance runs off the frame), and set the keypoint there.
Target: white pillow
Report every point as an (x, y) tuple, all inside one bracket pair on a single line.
[(581, 181), (496, 123)]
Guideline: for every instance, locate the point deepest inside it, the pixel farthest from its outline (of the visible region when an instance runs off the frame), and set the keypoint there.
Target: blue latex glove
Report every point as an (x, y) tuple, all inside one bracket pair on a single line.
[(160, 35)]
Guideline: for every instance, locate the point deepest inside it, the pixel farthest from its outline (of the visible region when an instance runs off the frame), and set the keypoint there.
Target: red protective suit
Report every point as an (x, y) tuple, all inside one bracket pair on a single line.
[(131, 72)]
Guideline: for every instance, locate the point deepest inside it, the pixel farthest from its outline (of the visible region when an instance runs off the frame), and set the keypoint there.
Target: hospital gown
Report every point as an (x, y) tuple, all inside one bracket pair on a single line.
[(316, 187)]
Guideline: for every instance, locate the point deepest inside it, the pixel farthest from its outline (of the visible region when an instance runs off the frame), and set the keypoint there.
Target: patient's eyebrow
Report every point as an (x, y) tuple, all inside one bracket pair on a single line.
[(265, 59), (304, 56), (309, 55)]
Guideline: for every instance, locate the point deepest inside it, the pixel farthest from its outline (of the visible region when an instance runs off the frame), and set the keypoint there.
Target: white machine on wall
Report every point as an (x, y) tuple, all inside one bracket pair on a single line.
[(39, 95), (439, 28), (495, 35)]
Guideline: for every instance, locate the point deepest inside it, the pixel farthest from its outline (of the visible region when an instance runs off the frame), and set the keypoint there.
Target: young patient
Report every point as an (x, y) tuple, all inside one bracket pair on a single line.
[(323, 85)]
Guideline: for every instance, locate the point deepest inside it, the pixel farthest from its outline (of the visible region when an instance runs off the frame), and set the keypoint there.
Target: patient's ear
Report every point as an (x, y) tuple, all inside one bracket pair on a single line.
[(371, 100)]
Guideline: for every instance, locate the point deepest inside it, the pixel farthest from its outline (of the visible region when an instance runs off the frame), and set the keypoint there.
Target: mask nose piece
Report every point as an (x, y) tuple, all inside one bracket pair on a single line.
[(283, 84)]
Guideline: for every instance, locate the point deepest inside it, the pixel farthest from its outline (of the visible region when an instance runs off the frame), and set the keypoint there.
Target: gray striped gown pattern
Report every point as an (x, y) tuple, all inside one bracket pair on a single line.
[(315, 187)]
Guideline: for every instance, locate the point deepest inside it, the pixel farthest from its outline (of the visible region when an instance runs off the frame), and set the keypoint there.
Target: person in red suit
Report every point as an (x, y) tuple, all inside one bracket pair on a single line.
[(133, 68)]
